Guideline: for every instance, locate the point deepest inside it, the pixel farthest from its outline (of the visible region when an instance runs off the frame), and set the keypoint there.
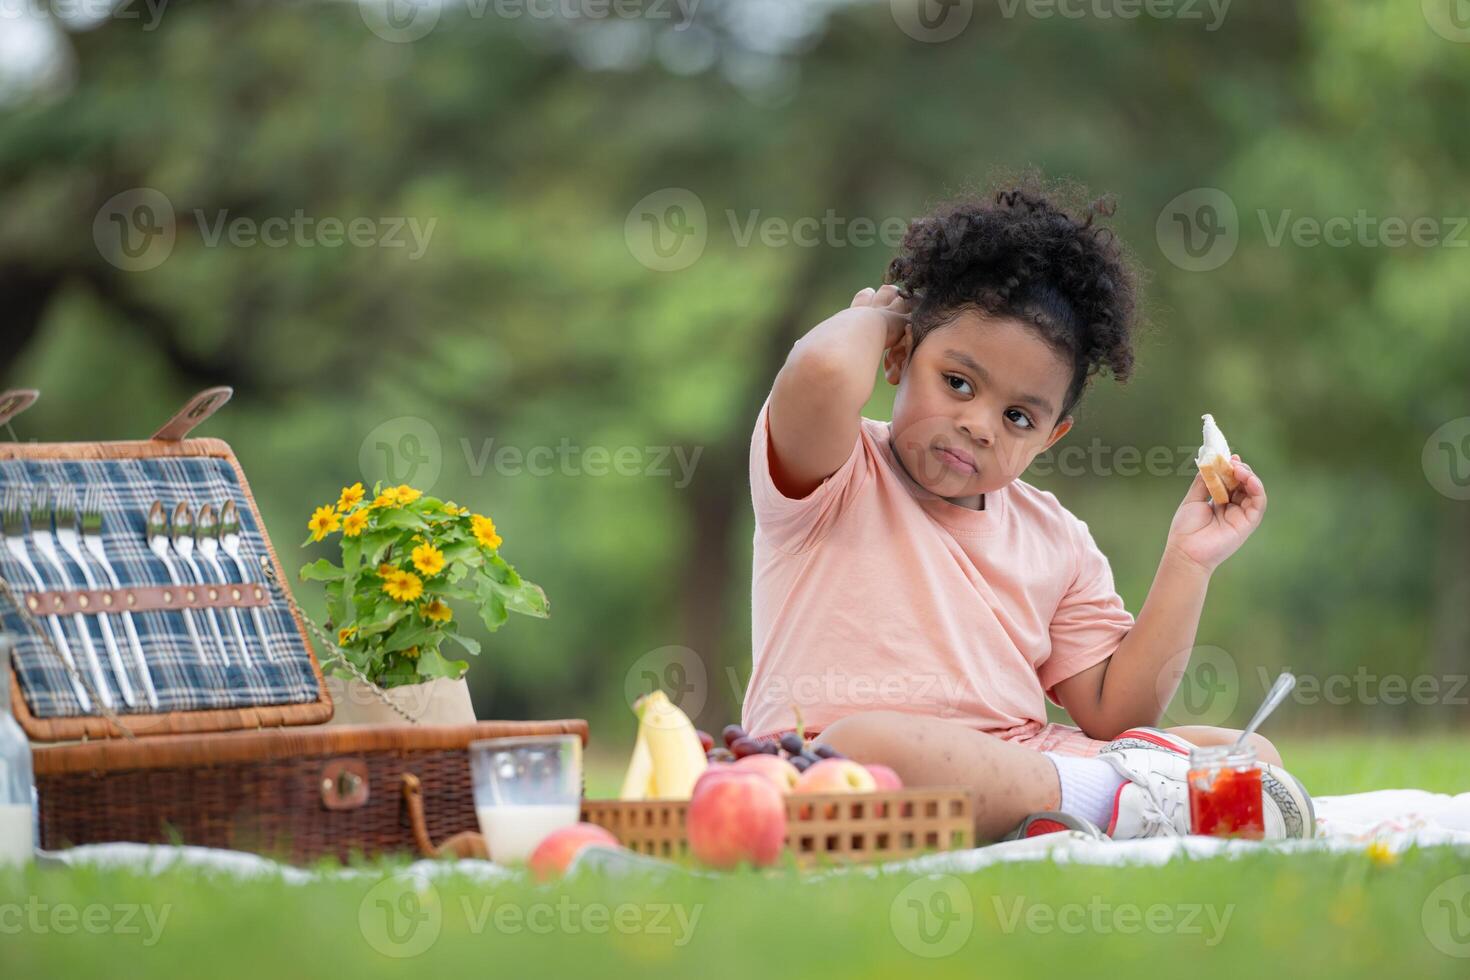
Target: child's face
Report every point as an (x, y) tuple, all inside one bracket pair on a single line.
[(988, 388)]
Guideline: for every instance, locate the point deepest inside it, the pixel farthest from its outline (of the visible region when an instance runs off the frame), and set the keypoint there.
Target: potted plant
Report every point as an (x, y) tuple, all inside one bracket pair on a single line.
[(407, 558)]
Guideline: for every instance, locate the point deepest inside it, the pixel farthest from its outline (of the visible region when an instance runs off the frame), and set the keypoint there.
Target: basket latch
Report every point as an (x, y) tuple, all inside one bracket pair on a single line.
[(196, 410), (344, 784)]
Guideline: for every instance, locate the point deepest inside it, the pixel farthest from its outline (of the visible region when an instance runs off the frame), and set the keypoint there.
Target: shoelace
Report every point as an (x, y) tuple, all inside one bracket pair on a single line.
[(1158, 810)]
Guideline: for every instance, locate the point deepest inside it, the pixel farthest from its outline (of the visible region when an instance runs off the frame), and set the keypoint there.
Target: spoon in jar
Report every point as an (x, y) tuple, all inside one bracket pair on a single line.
[(1283, 686)]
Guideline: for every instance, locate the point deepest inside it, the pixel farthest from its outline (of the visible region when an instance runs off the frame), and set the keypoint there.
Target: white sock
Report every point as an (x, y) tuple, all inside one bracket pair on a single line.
[(1089, 787)]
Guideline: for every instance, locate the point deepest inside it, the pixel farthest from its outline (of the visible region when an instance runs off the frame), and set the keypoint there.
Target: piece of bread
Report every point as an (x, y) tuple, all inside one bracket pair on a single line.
[(1215, 464)]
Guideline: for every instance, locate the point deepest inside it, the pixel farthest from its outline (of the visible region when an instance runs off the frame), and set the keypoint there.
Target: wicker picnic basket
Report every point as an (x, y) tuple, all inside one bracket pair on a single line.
[(167, 746), (820, 827)]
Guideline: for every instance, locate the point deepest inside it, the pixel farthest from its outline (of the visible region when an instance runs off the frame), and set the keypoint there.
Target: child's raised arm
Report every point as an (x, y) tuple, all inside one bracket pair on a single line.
[(819, 394)]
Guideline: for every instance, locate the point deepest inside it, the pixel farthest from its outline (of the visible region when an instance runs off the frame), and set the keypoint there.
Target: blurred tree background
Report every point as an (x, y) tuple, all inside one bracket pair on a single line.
[(533, 317)]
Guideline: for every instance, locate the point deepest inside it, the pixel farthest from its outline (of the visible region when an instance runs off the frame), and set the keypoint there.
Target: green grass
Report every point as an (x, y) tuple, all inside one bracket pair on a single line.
[(1319, 915)]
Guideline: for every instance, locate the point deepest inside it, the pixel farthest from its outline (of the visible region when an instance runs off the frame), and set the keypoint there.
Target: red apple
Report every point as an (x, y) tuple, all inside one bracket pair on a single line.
[(554, 854), (736, 816), (782, 774), (834, 776), (884, 777)]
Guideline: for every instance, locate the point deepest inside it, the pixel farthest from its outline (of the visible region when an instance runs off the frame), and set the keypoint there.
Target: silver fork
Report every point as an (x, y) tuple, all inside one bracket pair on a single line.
[(91, 527), (207, 537), (229, 540), (183, 538), (46, 544), (12, 517), (70, 542), (158, 544)]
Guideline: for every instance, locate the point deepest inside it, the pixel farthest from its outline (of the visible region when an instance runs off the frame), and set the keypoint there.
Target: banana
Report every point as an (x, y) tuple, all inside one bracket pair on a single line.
[(667, 758), (639, 780)]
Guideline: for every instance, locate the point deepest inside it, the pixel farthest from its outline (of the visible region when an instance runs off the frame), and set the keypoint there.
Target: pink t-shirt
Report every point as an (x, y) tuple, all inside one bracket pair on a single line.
[(871, 593)]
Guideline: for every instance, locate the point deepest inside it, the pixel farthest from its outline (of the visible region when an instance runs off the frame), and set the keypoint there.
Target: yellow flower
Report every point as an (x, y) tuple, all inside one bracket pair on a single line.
[(438, 611), (405, 494), (350, 497), (403, 586), (454, 510), (385, 499), (346, 633), (386, 569), (1380, 854), (412, 653), (428, 559), (484, 529), (324, 521), (353, 523)]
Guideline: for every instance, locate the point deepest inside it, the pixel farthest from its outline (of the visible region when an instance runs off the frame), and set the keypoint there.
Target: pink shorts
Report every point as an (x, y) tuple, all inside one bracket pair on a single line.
[(1050, 737)]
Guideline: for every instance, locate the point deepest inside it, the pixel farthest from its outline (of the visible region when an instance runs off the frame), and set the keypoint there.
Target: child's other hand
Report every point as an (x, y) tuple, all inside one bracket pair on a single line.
[(1207, 533), (887, 303)]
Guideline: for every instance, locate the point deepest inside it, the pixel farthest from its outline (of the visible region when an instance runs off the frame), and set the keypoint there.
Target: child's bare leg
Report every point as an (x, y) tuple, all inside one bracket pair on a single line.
[(1007, 781), (1209, 735)]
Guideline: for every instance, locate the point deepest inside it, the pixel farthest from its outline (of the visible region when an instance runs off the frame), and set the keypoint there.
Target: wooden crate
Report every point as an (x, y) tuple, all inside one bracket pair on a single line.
[(819, 826)]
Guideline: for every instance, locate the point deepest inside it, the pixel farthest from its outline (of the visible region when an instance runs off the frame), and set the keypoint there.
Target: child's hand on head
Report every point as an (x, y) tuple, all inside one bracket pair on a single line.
[(887, 303), (1208, 533)]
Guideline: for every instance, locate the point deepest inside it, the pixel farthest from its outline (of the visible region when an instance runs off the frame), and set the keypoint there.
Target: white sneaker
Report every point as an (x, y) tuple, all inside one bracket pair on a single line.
[(1286, 809), (1154, 798)]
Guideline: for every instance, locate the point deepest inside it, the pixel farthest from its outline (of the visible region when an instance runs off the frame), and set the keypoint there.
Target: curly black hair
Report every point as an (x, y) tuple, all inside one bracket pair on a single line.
[(1019, 253)]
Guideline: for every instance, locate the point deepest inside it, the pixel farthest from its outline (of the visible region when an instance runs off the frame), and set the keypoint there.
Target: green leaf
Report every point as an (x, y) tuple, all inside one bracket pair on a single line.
[(321, 570), (385, 618), (492, 608), (469, 643), (375, 543), (431, 663), (401, 517), (409, 634)]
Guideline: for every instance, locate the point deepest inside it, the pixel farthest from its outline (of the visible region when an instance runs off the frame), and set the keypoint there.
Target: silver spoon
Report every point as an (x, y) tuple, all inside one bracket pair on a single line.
[(1274, 697), (229, 540), (208, 538), (158, 544), (183, 528)]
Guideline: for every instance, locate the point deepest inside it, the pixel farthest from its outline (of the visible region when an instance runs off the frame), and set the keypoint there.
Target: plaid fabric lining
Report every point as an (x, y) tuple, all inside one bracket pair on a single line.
[(183, 681)]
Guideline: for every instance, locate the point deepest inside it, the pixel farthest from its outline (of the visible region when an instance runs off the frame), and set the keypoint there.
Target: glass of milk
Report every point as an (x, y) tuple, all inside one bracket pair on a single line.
[(17, 785), (525, 787)]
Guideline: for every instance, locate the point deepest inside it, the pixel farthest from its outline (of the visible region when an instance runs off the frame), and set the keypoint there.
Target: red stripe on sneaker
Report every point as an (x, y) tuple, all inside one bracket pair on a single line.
[(1113, 823), (1153, 739), (1038, 827)]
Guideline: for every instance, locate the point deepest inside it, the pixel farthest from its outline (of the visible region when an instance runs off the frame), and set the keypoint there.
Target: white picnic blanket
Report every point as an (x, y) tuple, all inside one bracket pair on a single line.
[(1393, 820)]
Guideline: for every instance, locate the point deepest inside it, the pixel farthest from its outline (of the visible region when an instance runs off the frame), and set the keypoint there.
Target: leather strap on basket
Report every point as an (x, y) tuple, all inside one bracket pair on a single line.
[(466, 844), (145, 598), (15, 401), (196, 410)]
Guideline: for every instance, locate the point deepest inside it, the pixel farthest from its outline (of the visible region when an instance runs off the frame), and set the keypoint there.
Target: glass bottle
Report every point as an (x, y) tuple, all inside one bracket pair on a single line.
[(1225, 792), (17, 784)]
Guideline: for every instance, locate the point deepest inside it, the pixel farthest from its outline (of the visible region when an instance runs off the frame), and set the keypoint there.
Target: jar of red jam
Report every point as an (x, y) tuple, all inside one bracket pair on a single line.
[(1225, 792)]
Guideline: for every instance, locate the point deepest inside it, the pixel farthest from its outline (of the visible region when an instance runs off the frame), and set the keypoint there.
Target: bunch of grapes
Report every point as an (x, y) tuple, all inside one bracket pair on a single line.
[(739, 744)]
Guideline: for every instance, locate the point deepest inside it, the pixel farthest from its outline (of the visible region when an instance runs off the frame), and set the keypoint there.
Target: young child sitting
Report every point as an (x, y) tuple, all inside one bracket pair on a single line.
[(919, 601)]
